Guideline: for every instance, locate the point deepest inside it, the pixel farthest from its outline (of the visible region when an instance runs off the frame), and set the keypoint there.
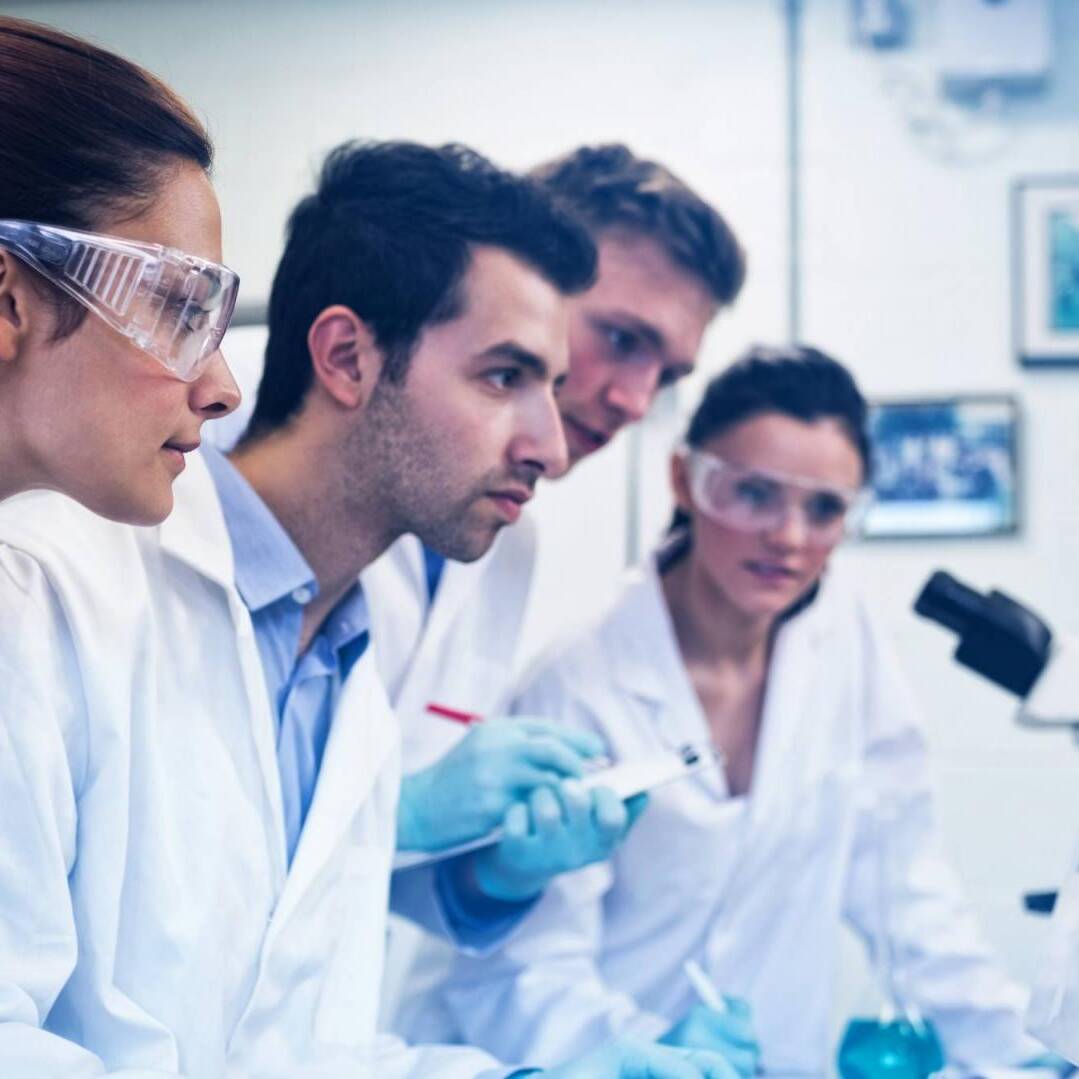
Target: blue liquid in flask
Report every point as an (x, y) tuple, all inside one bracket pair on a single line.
[(889, 1049)]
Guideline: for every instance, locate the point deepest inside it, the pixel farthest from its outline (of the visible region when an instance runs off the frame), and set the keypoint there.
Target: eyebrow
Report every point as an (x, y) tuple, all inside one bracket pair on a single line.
[(509, 350)]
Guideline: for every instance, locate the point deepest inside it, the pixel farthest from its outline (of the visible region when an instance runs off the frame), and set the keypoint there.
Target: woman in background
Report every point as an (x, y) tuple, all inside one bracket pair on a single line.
[(112, 298), (738, 635)]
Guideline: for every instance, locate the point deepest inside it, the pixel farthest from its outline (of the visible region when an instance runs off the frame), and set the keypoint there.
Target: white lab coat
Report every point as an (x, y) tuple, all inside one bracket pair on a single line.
[(460, 651), (149, 924), (1054, 1005), (753, 888)]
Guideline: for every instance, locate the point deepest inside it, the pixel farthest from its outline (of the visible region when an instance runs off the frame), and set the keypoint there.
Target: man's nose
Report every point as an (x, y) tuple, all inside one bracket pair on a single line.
[(632, 390), (541, 444)]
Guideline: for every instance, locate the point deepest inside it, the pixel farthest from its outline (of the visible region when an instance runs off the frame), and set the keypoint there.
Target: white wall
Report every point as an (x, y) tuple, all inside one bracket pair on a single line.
[(906, 276)]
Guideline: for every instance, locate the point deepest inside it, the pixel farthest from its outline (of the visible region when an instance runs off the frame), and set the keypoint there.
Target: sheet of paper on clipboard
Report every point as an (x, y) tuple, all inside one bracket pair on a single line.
[(626, 778)]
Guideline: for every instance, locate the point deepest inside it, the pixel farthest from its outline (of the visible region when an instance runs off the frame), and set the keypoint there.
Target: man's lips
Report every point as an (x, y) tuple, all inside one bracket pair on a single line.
[(589, 438), (182, 447), (510, 501)]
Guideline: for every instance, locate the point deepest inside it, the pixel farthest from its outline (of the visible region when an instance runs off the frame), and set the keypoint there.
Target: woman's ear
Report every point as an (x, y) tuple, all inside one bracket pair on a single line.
[(13, 323), (346, 359), (680, 481)]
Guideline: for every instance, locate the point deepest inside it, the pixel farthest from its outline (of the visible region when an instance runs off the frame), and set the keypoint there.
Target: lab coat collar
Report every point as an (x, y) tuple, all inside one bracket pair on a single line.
[(407, 630), (643, 639), (195, 531), (363, 734), (364, 737), (460, 580), (646, 658), (269, 565)]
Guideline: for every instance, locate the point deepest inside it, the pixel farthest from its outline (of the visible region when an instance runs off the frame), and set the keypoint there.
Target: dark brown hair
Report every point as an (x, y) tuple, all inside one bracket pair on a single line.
[(612, 190), (389, 232), (795, 380), (85, 135)]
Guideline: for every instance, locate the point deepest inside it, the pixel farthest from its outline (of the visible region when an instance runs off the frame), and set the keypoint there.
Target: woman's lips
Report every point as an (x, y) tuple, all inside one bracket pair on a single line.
[(770, 572), (175, 450), (175, 457)]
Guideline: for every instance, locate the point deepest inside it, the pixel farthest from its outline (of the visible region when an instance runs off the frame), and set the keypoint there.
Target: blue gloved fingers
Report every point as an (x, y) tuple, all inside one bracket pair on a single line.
[(576, 808), (553, 755), (736, 1024), (546, 812), (585, 743), (728, 1033), (1049, 1062), (744, 1060), (738, 1006), (496, 869), (610, 815), (658, 1062), (515, 823), (635, 806), (711, 1065), (632, 1060)]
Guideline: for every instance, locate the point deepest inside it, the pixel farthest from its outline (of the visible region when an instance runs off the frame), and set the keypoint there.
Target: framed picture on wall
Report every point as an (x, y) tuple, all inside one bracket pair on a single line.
[(946, 467), (1045, 259)]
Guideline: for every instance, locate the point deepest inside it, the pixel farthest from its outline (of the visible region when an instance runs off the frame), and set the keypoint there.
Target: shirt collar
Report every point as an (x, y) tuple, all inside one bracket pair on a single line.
[(269, 565)]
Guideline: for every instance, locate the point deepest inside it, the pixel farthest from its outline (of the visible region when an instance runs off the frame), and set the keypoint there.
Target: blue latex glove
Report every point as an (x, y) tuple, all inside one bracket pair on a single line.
[(499, 762), (1050, 1062), (640, 1060), (729, 1033), (558, 830)]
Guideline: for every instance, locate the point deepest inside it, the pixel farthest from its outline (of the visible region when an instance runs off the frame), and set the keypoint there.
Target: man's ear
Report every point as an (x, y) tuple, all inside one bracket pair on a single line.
[(344, 355), (13, 325)]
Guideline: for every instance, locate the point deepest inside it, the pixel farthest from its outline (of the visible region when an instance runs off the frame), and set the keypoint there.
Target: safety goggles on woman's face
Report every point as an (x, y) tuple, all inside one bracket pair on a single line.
[(172, 305), (756, 500)]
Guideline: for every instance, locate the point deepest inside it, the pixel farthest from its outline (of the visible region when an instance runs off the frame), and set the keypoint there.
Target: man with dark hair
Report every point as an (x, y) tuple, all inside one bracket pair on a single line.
[(417, 335), (668, 262), (409, 259)]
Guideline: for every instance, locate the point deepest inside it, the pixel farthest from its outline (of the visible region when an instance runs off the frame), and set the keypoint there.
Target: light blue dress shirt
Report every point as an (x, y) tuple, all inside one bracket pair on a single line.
[(276, 583)]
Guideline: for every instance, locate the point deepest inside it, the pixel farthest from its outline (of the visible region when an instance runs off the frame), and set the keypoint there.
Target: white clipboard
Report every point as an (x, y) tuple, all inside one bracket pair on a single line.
[(626, 779)]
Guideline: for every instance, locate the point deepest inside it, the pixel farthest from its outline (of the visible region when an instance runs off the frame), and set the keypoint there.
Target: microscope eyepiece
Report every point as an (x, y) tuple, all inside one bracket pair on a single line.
[(998, 638), (945, 600)]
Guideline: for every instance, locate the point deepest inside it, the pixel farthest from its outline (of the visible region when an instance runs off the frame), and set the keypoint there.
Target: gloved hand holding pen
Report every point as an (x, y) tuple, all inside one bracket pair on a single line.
[(635, 1060), (719, 1023), (728, 1033), (499, 762)]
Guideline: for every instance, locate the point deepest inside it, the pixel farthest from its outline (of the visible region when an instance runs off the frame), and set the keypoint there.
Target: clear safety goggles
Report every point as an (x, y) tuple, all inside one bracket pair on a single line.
[(756, 500), (172, 305)]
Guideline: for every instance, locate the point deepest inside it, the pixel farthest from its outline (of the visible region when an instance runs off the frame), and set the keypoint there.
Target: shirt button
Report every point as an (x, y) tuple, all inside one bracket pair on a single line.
[(302, 595)]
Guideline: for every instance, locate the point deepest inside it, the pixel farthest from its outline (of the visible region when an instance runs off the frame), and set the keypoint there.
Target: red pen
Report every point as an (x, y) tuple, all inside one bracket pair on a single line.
[(455, 714)]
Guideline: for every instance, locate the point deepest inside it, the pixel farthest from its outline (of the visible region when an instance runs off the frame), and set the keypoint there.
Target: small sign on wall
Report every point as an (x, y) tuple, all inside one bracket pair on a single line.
[(1045, 259), (944, 467)]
